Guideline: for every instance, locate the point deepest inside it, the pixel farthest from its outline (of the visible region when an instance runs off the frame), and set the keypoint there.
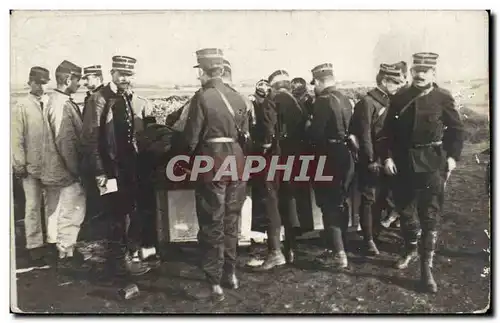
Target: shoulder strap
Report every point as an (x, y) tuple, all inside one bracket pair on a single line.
[(297, 104), (229, 107)]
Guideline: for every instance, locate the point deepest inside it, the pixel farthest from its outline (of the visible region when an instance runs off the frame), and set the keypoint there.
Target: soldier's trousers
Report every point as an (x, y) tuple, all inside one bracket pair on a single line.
[(218, 207), (33, 222), (418, 198), (374, 188), (65, 213)]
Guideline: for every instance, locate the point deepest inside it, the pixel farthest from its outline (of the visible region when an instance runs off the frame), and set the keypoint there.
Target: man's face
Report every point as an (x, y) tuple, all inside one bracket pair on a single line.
[(318, 87), (121, 79), (391, 86), (74, 84), (297, 86), (262, 86), (37, 88), (91, 82), (201, 76), (423, 76)]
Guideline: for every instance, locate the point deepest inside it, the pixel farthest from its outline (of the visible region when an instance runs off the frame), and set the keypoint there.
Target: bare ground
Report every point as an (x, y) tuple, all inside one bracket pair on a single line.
[(369, 285)]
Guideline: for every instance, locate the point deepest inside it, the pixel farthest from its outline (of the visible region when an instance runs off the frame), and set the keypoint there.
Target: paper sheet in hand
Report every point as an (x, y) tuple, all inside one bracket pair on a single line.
[(110, 187)]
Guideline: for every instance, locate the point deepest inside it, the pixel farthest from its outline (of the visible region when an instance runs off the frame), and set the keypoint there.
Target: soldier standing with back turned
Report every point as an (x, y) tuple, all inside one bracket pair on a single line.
[(217, 115), (328, 132), (420, 152)]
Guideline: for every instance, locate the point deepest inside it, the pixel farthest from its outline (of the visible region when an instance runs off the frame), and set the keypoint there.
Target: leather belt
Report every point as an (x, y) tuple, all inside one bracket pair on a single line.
[(220, 140), (430, 144)]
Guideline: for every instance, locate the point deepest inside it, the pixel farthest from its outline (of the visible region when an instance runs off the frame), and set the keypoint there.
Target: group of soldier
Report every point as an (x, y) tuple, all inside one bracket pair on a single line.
[(400, 135)]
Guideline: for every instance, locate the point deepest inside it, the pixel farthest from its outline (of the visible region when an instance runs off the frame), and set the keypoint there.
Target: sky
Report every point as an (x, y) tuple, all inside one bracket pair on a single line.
[(255, 42)]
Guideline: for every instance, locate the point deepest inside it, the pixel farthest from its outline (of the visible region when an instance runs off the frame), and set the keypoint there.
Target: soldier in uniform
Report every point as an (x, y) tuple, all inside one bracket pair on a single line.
[(92, 80), (366, 124), (113, 121), (215, 121), (27, 135), (264, 193), (284, 120), (61, 173), (301, 93), (425, 139), (328, 133), (92, 77)]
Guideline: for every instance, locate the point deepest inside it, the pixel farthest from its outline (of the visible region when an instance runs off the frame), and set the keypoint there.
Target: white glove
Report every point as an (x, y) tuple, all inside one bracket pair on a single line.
[(452, 164), (390, 167)]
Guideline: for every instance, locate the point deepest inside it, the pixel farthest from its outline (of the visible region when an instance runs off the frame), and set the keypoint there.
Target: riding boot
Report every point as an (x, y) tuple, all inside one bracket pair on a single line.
[(428, 246), (410, 252)]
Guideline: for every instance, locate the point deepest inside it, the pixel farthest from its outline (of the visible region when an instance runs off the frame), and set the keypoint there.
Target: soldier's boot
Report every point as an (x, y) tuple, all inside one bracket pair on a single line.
[(231, 281), (229, 278), (134, 265), (213, 293), (429, 241), (340, 256), (371, 248), (274, 256), (290, 245), (411, 250)]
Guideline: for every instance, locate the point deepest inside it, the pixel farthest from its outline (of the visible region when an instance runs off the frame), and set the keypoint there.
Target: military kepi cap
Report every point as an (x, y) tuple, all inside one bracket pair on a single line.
[(68, 68), (92, 70), (425, 59), (392, 71), (278, 76), (321, 71), (227, 66), (39, 74), (123, 64), (209, 58)]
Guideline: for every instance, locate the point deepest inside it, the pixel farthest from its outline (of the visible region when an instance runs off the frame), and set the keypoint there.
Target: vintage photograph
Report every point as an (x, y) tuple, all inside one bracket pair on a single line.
[(250, 161)]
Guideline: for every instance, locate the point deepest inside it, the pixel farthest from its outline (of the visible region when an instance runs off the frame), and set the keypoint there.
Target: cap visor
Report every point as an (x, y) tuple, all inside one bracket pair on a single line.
[(197, 66)]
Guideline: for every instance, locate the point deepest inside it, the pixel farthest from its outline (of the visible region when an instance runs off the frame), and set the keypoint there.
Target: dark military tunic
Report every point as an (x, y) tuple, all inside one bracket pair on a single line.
[(423, 129), (332, 114), (366, 124), (218, 203)]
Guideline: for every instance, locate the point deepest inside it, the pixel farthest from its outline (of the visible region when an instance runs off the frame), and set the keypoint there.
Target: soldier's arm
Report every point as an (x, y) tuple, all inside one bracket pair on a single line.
[(320, 117), (194, 123), (361, 122), (18, 143), (453, 136), (387, 133), (67, 138), (270, 119), (90, 134)]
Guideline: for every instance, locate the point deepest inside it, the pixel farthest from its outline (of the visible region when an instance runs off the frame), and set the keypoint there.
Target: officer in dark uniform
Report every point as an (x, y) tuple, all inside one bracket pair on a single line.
[(425, 139), (366, 124), (113, 121), (285, 122), (216, 118), (264, 193), (92, 77), (328, 132)]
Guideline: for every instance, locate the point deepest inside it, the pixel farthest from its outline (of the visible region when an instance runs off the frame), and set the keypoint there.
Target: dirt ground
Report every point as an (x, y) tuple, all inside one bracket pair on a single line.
[(369, 285)]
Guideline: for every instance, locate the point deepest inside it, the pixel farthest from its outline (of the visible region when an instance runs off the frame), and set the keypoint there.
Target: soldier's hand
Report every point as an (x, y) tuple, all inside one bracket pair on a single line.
[(451, 164), (390, 167), (308, 123), (101, 180), (20, 172), (374, 167)]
